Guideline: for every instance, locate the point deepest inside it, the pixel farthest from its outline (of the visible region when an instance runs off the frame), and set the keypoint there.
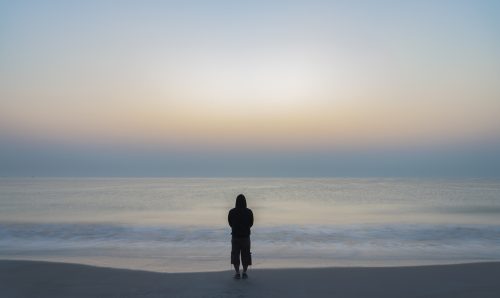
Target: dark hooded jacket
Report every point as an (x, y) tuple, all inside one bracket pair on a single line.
[(240, 219)]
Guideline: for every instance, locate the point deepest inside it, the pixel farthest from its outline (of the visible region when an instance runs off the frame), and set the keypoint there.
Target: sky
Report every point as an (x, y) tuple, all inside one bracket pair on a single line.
[(250, 88)]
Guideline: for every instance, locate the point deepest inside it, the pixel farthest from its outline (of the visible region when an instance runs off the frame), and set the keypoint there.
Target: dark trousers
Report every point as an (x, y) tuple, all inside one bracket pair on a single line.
[(241, 246)]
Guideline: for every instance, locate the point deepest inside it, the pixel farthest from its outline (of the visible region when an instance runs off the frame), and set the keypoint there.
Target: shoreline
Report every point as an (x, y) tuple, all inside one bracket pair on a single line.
[(19, 278)]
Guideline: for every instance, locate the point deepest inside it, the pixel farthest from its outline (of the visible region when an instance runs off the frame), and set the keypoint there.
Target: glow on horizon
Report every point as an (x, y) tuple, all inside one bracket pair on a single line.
[(307, 76)]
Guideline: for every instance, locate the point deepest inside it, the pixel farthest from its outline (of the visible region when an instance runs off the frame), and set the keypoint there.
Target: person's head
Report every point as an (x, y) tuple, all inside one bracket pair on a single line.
[(241, 202)]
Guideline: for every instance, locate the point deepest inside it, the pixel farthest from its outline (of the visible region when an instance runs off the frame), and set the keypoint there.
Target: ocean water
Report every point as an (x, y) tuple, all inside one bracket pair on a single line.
[(180, 224)]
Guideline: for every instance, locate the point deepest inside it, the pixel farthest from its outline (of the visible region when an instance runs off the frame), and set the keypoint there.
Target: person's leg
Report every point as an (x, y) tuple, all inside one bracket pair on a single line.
[(246, 257), (235, 255)]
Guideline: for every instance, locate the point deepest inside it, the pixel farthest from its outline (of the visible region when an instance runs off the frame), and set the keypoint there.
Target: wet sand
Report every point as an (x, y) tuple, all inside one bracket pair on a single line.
[(48, 279)]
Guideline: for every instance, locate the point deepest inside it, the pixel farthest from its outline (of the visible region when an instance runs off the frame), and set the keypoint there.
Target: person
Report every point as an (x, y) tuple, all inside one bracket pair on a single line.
[(240, 220)]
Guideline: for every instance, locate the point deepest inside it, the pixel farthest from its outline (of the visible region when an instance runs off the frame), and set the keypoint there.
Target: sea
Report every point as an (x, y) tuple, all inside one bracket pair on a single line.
[(180, 224)]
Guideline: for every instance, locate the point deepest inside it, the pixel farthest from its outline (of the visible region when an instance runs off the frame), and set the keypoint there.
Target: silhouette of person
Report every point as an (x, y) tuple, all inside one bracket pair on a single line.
[(240, 220)]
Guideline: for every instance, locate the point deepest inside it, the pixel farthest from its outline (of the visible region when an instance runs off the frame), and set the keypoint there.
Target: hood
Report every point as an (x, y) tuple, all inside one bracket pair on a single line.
[(241, 202)]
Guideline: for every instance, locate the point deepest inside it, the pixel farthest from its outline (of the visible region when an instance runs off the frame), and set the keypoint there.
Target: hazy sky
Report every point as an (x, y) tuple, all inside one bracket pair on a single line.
[(250, 88)]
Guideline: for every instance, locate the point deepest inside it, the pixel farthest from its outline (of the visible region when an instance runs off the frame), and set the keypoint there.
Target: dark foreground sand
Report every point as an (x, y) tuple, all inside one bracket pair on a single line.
[(45, 279)]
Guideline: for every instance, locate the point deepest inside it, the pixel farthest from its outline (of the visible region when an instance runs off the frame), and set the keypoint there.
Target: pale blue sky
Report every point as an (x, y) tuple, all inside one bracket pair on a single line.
[(245, 88)]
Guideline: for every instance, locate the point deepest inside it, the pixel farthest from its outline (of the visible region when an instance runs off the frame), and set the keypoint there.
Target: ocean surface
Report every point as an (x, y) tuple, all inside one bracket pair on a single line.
[(180, 224)]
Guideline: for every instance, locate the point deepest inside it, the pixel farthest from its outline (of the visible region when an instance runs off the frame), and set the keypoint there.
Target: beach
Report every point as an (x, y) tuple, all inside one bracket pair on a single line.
[(169, 237), (342, 148), (49, 279)]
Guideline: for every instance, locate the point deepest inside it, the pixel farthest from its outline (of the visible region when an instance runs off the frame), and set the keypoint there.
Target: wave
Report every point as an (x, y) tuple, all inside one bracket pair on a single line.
[(179, 248), (382, 234)]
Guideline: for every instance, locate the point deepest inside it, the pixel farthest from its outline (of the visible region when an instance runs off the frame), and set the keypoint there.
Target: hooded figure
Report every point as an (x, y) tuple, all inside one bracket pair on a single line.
[(240, 220)]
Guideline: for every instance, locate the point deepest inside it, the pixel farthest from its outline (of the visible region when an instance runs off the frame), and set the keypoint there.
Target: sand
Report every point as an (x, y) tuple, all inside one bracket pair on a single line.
[(47, 279)]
